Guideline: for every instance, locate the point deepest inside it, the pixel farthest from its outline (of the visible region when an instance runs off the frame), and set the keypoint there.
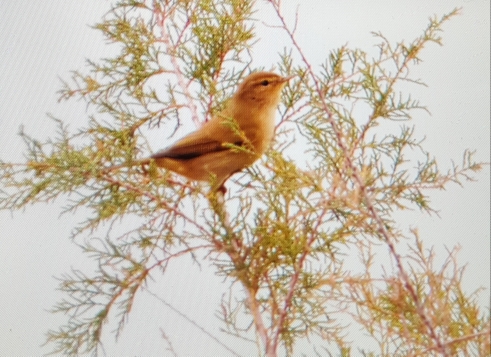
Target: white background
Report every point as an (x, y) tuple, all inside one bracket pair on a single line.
[(41, 41)]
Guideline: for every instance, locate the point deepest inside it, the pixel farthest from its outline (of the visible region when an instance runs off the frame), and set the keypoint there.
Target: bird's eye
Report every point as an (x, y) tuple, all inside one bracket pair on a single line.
[(265, 83)]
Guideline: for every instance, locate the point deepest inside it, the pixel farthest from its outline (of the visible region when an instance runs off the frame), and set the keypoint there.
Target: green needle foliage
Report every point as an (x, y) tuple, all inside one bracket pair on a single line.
[(281, 232)]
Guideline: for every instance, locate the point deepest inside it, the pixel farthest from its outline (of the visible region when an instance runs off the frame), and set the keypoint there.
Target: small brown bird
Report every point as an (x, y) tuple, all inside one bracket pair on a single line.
[(233, 139)]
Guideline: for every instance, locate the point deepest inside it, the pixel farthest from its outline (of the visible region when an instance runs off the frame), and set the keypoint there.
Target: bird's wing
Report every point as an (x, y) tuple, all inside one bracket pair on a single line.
[(190, 147)]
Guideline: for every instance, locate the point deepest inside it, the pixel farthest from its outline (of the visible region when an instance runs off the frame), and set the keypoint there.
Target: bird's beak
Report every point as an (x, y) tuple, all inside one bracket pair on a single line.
[(286, 79)]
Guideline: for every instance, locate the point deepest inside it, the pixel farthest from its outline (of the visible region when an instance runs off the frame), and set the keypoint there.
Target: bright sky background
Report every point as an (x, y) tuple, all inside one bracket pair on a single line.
[(42, 41)]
